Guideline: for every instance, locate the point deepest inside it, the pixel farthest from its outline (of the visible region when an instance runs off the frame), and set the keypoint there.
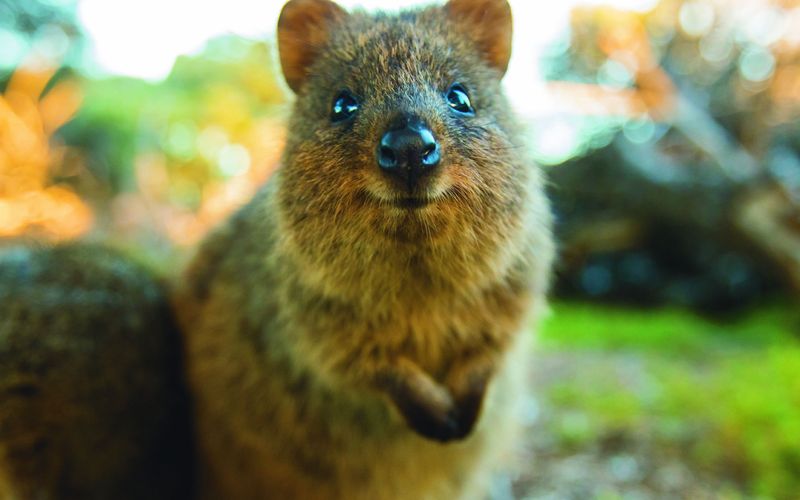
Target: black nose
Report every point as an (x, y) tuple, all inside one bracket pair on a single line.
[(408, 150)]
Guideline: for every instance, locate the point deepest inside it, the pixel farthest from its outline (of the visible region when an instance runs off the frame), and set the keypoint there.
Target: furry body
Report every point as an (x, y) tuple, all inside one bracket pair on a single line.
[(339, 345), (92, 404)]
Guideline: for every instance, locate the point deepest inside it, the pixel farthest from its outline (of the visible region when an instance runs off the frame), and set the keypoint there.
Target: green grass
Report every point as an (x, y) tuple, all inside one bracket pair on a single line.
[(723, 397), (667, 331)]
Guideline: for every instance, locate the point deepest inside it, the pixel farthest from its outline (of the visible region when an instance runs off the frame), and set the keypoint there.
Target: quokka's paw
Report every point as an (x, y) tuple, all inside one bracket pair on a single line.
[(427, 406), (468, 385), (439, 412), (430, 412)]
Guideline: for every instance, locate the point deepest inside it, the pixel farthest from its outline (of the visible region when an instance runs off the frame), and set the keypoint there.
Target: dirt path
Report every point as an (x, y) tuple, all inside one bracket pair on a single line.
[(613, 463)]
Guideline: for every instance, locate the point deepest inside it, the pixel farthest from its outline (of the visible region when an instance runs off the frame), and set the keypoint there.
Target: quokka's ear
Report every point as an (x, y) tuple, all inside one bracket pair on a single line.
[(489, 24), (303, 29)]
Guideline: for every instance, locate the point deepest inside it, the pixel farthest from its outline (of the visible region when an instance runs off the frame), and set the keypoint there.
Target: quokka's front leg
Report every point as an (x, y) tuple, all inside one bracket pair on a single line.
[(438, 411), (427, 406), (468, 381)]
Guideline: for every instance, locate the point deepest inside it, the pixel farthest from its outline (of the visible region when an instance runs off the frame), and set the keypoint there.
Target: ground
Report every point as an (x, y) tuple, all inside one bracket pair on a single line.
[(663, 404)]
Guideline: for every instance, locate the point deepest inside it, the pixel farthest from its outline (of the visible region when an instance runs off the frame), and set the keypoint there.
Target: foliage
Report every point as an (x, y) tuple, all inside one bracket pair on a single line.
[(691, 144), (177, 156), (693, 77), (669, 331), (32, 160), (45, 28)]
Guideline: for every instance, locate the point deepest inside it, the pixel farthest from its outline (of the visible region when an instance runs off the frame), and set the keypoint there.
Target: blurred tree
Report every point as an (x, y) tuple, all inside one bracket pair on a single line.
[(46, 28), (703, 156), (173, 157), (33, 197)]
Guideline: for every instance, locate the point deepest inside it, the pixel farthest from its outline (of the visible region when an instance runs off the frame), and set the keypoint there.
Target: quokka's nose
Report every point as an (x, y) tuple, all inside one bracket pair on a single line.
[(408, 150)]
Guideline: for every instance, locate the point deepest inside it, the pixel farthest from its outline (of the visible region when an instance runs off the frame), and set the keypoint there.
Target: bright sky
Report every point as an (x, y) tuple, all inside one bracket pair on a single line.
[(143, 38)]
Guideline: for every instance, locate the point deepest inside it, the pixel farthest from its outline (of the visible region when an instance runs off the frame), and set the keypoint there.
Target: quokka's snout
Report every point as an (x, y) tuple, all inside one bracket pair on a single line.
[(408, 151)]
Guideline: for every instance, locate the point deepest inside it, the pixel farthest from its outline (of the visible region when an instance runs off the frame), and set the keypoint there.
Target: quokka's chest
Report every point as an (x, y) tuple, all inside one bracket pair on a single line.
[(433, 335)]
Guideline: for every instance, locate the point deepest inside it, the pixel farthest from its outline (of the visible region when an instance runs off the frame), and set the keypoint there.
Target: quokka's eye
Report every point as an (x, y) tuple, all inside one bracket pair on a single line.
[(344, 107), (458, 99)]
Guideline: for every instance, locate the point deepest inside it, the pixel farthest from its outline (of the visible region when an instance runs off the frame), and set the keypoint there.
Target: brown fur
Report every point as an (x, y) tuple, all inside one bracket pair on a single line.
[(92, 404), (340, 346)]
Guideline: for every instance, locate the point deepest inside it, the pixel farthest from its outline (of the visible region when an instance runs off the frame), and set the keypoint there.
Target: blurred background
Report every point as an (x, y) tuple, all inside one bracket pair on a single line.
[(670, 365)]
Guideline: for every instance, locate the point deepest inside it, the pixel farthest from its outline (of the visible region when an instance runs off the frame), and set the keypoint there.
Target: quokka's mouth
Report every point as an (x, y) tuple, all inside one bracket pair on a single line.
[(411, 203), (405, 201)]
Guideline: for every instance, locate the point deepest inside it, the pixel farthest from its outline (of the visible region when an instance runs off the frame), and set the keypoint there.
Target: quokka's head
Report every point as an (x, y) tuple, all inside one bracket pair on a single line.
[(400, 118)]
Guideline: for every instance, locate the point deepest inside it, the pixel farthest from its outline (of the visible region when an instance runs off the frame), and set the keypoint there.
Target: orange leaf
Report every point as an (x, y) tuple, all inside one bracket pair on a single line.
[(60, 105)]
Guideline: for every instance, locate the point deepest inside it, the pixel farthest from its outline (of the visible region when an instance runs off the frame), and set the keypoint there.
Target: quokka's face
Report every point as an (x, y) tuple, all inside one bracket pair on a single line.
[(404, 113)]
